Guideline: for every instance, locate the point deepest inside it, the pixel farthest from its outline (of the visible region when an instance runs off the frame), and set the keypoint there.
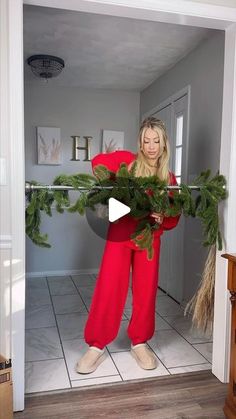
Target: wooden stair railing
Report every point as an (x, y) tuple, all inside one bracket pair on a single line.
[(230, 401)]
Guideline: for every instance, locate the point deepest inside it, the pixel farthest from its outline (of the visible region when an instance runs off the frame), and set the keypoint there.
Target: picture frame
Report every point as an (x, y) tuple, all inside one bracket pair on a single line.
[(49, 148), (112, 141)]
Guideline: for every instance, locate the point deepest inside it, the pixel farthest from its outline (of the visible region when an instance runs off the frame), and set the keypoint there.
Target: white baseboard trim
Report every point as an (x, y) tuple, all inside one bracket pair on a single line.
[(61, 273)]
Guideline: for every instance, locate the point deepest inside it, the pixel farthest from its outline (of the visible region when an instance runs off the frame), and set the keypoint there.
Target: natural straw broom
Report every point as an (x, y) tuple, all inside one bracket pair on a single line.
[(202, 303)]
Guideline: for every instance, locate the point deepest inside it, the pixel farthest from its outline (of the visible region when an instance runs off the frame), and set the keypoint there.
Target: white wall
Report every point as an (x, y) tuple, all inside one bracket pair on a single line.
[(77, 112), (203, 70)]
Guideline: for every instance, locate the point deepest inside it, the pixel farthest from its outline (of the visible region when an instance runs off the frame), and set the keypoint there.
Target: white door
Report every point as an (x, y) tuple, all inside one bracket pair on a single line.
[(175, 116), (12, 195), (164, 272)]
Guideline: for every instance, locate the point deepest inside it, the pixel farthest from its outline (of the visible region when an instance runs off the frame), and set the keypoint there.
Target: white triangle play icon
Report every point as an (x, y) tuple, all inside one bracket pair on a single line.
[(116, 209)]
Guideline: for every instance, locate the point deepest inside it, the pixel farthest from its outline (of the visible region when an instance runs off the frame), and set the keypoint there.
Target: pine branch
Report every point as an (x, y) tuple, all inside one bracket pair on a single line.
[(143, 195)]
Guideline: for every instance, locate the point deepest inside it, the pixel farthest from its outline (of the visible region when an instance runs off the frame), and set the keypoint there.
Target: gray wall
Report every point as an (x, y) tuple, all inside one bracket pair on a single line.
[(203, 70), (75, 247)]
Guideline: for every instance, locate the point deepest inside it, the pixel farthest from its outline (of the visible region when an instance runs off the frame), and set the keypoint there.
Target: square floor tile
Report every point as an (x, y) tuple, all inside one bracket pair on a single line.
[(42, 316), (83, 280), (205, 349), (46, 376), (183, 324), (129, 300), (36, 297), (86, 294), (68, 304), (128, 313), (36, 283), (122, 341), (160, 323), (96, 381), (160, 292), (173, 350), (165, 306), (74, 349), (42, 343), (61, 285), (191, 368), (129, 369), (71, 326)]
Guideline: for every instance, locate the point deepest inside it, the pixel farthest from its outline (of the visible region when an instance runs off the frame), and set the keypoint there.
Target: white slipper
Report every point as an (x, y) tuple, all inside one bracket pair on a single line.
[(144, 357), (90, 360)]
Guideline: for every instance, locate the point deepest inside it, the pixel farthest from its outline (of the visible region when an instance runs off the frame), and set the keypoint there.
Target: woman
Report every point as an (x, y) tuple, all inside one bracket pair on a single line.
[(121, 253)]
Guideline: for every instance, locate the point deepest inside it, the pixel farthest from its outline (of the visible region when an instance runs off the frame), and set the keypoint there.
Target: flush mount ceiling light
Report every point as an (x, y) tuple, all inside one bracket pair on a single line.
[(46, 66)]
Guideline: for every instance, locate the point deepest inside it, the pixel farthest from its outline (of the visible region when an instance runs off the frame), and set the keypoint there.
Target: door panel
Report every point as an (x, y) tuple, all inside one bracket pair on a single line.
[(171, 260), (164, 271)]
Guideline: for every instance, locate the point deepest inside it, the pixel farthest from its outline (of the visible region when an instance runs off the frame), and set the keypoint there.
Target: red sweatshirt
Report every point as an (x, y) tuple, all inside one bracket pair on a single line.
[(113, 160)]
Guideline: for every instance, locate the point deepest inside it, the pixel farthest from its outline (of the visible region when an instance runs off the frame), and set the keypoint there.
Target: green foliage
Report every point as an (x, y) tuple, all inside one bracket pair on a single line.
[(134, 192), (40, 200)]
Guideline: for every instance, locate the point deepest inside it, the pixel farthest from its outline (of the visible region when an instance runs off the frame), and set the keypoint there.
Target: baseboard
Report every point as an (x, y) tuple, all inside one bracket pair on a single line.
[(61, 273)]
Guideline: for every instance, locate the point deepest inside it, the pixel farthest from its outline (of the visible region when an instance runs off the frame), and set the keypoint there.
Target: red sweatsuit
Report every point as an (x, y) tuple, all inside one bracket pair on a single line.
[(112, 283)]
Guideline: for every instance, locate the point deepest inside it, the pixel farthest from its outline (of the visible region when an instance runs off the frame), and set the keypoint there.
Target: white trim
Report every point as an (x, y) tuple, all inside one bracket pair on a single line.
[(5, 242), (62, 273), (181, 12), (5, 237), (222, 313), (171, 11), (169, 101), (5, 245), (17, 196)]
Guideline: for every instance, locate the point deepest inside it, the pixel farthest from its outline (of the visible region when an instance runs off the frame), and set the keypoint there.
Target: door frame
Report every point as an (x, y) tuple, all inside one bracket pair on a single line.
[(11, 78), (169, 101)]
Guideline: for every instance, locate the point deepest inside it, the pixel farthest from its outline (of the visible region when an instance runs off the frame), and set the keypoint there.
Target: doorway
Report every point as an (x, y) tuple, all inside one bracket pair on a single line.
[(57, 303), (227, 137), (175, 114)]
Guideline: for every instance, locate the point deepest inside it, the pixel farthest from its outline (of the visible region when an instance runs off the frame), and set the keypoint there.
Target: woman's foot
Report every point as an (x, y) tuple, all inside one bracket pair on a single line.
[(90, 360), (144, 357)]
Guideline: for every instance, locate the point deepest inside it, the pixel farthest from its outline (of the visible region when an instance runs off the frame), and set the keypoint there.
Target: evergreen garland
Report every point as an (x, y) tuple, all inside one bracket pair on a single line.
[(134, 192)]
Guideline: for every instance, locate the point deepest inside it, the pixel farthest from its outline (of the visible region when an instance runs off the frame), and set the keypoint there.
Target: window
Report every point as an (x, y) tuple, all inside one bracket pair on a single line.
[(178, 147)]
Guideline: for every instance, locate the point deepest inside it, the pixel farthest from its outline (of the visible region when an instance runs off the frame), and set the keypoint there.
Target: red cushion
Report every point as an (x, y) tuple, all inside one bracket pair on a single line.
[(113, 160)]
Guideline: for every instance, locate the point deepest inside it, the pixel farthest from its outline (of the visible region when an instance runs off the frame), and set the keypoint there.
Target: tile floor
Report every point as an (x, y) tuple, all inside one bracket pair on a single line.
[(56, 312)]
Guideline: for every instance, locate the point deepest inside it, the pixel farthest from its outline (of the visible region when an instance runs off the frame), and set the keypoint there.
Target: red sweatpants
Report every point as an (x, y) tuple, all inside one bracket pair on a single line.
[(112, 287)]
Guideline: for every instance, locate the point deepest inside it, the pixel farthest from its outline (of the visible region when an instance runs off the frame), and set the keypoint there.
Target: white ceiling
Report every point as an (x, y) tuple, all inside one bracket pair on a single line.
[(105, 51), (226, 3)]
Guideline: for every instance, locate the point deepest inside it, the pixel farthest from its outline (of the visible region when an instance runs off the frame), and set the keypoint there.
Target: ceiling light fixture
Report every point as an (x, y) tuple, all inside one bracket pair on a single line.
[(46, 66)]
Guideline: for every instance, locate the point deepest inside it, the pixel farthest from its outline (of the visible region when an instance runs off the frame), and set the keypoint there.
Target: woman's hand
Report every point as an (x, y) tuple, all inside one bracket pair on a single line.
[(158, 216)]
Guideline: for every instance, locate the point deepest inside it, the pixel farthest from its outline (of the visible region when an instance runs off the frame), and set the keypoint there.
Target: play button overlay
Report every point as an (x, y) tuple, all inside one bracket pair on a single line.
[(116, 209), (111, 220)]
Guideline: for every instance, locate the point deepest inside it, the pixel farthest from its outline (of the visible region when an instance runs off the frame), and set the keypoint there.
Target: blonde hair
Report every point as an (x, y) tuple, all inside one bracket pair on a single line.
[(142, 167)]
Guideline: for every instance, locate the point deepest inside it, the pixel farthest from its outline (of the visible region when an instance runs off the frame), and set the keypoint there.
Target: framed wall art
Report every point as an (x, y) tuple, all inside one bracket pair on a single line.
[(112, 140), (49, 147)]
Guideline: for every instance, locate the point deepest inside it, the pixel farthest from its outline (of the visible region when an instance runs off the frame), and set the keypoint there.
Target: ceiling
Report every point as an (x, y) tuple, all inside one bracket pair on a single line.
[(225, 3), (105, 51)]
